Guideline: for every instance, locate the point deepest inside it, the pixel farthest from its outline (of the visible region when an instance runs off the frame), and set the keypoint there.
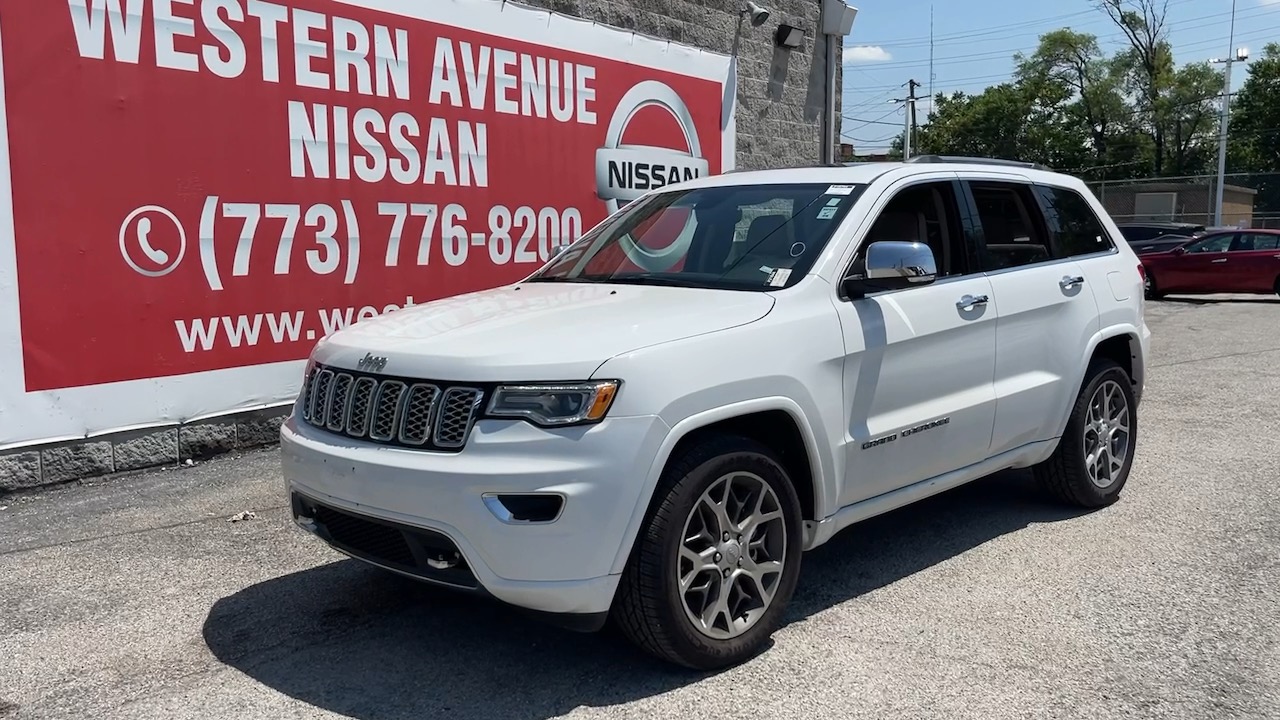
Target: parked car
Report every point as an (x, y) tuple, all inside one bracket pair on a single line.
[(656, 424), (1164, 243), (1236, 261), (1145, 231)]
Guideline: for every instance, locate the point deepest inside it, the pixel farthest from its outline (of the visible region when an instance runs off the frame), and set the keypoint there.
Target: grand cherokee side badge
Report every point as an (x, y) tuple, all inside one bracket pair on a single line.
[(371, 362), (906, 433)]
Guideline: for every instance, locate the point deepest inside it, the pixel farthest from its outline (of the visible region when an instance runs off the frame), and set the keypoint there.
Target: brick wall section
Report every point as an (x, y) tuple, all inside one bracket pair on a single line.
[(779, 124), (780, 92)]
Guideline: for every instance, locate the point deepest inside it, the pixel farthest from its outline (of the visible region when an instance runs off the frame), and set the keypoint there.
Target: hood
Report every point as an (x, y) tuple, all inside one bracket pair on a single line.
[(536, 331)]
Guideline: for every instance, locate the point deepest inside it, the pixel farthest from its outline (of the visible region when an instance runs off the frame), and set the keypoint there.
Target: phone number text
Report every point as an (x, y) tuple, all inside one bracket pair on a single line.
[(419, 233)]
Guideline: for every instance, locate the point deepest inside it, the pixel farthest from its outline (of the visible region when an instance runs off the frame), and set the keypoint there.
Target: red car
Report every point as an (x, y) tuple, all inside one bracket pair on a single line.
[(1232, 261)]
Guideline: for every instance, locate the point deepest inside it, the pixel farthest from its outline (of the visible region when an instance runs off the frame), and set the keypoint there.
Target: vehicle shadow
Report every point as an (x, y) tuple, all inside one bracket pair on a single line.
[(1192, 300), (370, 645)]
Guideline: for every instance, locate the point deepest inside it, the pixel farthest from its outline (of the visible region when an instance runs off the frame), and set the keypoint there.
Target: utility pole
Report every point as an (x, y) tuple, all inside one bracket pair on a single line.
[(931, 51), (911, 118), (1241, 55)]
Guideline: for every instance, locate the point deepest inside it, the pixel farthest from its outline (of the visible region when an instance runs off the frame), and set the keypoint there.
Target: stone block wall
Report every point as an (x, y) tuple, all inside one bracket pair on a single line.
[(780, 91), (27, 468)]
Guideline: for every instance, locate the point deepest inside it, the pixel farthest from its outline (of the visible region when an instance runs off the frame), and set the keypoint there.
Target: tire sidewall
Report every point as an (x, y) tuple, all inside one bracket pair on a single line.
[(688, 639), (1074, 438)]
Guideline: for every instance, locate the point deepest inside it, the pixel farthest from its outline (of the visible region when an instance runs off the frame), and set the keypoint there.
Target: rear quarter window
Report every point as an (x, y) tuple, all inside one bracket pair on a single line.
[(1076, 227)]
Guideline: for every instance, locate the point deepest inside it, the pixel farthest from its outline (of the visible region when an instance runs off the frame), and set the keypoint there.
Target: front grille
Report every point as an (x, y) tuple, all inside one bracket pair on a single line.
[(410, 413)]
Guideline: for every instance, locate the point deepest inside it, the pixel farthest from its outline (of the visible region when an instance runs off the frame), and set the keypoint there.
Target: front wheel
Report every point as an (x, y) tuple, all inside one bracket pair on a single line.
[(1091, 464), (718, 559)]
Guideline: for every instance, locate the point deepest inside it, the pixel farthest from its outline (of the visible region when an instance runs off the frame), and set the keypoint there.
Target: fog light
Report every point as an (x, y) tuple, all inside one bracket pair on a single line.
[(525, 508)]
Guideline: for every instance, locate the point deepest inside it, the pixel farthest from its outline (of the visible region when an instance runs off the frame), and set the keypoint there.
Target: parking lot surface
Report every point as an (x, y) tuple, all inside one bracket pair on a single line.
[(137, 597)]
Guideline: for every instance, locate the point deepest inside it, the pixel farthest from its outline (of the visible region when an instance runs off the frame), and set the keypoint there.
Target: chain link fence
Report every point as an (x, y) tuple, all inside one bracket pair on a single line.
[(1248, 199)]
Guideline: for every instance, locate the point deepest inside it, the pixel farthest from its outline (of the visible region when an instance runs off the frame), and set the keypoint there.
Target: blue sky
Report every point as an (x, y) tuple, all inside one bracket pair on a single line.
[(974, 43)]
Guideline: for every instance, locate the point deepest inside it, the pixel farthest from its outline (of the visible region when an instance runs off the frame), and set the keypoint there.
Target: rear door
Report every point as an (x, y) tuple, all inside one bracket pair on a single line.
[(1253, 263), (1037, 252)]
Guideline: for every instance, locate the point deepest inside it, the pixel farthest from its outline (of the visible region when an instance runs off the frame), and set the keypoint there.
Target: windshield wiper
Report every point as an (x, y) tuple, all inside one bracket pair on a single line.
[(546, 279), (654, 279)]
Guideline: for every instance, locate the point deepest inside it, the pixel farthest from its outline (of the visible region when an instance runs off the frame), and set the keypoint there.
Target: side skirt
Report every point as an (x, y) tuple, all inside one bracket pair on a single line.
[(820, 532)]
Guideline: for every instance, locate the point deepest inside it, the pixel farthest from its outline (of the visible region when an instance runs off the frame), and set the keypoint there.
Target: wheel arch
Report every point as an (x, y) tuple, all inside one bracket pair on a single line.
[(1120, 343), (797, 445)]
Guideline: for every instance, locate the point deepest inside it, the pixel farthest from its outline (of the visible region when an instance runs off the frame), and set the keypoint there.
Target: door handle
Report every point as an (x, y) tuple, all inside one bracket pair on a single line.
[(1220, 260), (1068, 282), (969, 302)]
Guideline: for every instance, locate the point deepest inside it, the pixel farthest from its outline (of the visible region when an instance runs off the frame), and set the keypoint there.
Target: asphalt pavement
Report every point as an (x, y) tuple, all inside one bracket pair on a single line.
[(138, 597)]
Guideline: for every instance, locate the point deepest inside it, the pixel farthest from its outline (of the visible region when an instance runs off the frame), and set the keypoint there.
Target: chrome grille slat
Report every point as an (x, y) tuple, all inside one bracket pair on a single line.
[(423, 415), (419, 408), (386, 413), (321, 395), (308, 392), (361, 406), (339, 404), (457, 410)]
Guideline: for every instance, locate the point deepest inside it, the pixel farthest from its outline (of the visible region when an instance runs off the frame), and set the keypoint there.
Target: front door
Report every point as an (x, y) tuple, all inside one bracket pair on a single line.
[(1200, 269), (919, 362)]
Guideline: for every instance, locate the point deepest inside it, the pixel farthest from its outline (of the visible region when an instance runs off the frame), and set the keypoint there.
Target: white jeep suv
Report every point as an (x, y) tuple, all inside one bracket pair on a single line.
[(723, 374)]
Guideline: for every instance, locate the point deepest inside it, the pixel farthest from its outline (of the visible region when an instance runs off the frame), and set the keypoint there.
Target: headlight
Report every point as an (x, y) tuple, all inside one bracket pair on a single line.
[(555, 405)]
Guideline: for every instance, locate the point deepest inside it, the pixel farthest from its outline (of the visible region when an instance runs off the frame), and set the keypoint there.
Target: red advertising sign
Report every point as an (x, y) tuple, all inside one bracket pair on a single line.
[(208, 184)]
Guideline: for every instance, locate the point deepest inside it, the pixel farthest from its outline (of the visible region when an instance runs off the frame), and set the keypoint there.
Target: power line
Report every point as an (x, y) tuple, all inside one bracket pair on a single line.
[(1010, 52), (968, 35), (1260, 33)]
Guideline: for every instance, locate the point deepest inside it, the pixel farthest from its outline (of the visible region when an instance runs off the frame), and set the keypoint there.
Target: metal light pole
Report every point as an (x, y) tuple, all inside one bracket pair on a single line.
[(837, 22), (1241, 55)]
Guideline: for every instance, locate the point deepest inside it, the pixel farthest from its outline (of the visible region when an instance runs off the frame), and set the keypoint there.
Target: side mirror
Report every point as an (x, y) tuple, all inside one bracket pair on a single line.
[(1180, 250), (891, 265)]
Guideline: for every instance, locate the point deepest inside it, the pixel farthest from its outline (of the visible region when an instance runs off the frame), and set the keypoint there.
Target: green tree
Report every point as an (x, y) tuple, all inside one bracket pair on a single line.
[(1148, 64), (1069, 70), (1189, 114), (1010, 121), (1254, 132)]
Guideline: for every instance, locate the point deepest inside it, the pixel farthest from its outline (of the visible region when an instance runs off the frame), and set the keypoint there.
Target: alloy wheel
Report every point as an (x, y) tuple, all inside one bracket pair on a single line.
[(1106, 434), (732, 555)]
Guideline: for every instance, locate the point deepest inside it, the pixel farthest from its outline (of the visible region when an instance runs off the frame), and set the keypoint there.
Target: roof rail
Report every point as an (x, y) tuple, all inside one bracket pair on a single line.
[(976, 161)]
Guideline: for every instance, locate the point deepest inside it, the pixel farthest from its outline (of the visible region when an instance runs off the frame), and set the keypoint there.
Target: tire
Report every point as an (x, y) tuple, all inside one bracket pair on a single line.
[(653, 612), (1276, 288), (1067, 474), (1150, 289)]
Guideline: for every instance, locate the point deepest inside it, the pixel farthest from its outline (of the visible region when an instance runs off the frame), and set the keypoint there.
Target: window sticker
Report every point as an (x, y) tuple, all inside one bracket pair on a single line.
[(839, 190), (779, 277), (834, 201), (827, 213)]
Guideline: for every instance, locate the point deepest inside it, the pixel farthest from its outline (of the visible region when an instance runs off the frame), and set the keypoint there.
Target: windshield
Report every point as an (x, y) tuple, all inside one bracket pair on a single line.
[(740, 237)]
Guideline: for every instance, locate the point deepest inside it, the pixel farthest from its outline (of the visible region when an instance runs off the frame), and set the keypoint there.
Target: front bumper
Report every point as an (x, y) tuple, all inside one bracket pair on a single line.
[(410, 510)]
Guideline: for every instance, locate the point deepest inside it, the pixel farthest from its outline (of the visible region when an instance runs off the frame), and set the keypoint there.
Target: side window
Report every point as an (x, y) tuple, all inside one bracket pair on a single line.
[(1255, 241), (926, 213), (1211, 244), (1077, 230), (1012, 228)]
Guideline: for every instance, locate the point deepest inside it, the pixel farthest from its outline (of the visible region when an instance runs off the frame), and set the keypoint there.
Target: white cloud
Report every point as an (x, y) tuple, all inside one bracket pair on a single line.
[(871, 53)]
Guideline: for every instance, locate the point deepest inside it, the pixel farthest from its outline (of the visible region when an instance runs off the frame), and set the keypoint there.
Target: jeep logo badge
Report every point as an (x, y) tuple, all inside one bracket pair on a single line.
[(371, 362)]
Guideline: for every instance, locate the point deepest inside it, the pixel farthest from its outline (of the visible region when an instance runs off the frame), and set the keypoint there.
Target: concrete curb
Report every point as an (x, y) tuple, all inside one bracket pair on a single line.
[(45, 465)]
